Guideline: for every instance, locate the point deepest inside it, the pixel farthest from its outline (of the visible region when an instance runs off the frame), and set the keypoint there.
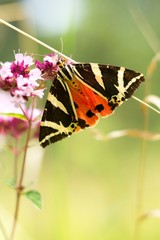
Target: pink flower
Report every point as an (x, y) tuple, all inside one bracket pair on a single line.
[(5, 71), (49, 67), (25, 59), (13, 126), (20, 80), (6, 80)]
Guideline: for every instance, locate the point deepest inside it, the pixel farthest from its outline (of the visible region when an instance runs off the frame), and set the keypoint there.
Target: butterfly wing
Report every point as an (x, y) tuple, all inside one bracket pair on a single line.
[(82, 92), (115, 84), (99, 89), (59, 118)]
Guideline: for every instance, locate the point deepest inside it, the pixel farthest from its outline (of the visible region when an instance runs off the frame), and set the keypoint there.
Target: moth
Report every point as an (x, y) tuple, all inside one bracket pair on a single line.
[(80, 94)]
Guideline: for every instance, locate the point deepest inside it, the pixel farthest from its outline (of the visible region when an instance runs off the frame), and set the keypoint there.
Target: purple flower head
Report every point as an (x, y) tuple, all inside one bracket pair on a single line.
[(18, 78), (49, 66), (23, 77), (21, 64)]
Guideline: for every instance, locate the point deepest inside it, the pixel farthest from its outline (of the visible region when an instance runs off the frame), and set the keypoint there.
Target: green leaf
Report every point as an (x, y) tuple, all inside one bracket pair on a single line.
[(35, 197), (15, 115)]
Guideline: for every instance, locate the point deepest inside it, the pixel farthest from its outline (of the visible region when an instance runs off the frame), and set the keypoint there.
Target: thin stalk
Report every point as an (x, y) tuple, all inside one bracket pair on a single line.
[(140, 185), (146, 104), (20, 187), (35, 40), (16, 155), (145, 27)]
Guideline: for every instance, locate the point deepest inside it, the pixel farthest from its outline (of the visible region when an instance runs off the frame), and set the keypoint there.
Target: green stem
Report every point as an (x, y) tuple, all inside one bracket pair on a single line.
[(20, 187), (16, 155)]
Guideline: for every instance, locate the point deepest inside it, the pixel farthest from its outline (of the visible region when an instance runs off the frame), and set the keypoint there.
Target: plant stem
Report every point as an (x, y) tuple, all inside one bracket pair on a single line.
[(140, 191), (16, 154), (20, 187), (140, 182)]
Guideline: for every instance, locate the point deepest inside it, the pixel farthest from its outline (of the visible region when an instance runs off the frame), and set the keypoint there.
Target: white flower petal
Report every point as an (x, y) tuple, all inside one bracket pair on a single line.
[(39, 93), (24, 58), (35, 74), (5, 70)]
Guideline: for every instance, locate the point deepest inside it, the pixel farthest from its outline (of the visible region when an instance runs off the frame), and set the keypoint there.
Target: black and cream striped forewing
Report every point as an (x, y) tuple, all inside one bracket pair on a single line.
[(116, 84), (59, 117)]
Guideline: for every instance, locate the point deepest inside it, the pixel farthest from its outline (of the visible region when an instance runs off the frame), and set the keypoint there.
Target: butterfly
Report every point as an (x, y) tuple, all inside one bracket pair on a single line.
[(80, 94)]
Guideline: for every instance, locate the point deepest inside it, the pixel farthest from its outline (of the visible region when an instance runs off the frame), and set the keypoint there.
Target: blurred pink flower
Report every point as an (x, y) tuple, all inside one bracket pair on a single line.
[(10, 125), (13, 126)]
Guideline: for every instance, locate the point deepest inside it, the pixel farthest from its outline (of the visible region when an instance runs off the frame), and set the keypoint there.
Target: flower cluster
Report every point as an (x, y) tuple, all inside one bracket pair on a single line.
[(49, 67), (21, 80)]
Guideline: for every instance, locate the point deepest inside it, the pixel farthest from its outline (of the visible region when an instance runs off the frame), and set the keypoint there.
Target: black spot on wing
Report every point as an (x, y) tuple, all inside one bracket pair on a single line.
[(90, 114), (82, 123), (99, 108)]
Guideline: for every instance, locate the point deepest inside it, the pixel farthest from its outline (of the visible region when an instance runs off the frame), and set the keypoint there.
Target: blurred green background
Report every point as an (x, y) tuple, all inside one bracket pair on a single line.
[(89, 187)]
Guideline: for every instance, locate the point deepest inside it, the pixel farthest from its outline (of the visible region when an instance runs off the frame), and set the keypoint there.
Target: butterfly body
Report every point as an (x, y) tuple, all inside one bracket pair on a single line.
[(81, 93)]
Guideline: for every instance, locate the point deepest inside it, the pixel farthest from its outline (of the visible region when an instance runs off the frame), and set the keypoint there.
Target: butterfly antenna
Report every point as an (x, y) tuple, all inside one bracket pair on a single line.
[(146, 104), (35, 40)]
